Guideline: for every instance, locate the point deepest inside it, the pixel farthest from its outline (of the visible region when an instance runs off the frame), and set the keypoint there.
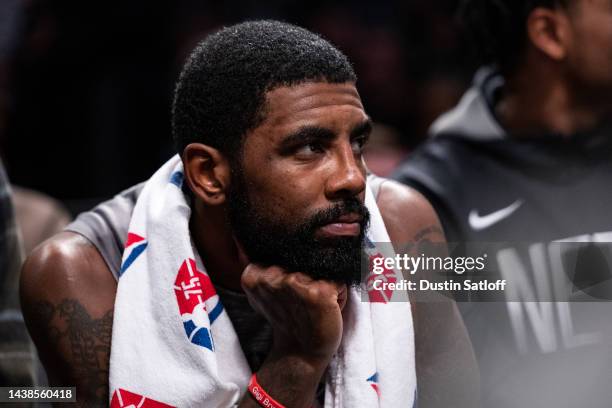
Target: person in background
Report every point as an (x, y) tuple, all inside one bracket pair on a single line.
[(38, 216), (17, 357), (525, 159), (384, 151)]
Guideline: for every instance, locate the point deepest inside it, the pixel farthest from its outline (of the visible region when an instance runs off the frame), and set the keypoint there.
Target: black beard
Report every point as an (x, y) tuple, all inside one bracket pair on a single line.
[(268, 240)]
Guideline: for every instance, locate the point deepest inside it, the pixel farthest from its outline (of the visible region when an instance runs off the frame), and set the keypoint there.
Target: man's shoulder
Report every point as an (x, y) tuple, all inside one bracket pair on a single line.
[(442, 345), (65, 249), (65, 266), (407, 213), (67, 296), (106, 226), (450, 170)]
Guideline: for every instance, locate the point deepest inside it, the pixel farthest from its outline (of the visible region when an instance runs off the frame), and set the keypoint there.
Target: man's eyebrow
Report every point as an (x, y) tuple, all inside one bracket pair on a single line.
[(363, 129), (306, 134)]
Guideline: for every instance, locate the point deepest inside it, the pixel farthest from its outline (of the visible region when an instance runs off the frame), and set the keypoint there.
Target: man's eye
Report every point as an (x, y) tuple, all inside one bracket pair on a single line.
[(310, 148), (358, 144)]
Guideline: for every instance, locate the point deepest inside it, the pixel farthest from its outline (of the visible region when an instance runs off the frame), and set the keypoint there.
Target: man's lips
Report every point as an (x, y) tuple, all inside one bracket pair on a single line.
[(346, 225)]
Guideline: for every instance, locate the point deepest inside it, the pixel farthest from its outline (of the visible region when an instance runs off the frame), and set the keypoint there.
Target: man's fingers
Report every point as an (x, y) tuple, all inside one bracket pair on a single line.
[(256, 276), (276, 277), (249, 278), (297, 280), (276, 281), (305, 313)]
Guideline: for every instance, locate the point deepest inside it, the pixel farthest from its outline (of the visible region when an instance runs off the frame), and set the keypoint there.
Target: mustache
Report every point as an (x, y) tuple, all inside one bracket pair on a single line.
[(349, 206)]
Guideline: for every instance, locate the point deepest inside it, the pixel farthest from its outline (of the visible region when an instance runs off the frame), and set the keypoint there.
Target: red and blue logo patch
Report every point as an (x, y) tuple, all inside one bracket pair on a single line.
[(125, 399), (388, 275), (198, 302), (373, 380), (134, 246), (176, 178)]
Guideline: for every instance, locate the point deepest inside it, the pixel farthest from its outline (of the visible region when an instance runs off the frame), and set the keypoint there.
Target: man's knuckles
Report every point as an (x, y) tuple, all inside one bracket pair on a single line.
[(256, 276), (249, 278), (273, 279)]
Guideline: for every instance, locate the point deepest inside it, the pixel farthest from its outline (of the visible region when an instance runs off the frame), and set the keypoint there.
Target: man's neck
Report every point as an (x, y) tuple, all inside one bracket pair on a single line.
[(541, 99), (223, 259)]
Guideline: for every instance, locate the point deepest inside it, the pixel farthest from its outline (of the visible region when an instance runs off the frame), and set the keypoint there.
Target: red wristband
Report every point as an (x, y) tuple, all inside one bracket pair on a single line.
[(261, 396)]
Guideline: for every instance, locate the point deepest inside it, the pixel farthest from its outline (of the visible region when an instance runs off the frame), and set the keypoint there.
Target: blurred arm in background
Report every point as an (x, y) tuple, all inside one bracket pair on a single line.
[(17, 357)]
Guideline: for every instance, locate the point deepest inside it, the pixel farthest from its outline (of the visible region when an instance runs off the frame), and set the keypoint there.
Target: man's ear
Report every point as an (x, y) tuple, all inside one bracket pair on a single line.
[(207, 172), (549, 31)]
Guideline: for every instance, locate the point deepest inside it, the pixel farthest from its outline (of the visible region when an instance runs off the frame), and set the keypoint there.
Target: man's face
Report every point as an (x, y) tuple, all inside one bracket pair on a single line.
[(590, 54), (296, 198)]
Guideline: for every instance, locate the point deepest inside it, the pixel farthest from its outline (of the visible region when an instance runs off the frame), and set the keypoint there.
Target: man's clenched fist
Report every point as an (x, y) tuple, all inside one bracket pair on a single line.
[(304, 313)]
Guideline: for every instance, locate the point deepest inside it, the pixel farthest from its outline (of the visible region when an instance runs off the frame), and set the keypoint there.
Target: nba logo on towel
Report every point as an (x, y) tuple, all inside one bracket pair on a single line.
[(388, 275), (126, 399), (134, 246), (373, 380), (198, 303), (177, 178)]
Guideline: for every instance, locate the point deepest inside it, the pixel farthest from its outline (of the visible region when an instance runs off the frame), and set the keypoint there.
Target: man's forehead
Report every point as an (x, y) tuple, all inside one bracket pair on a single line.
[(308, 96), (581, 5)]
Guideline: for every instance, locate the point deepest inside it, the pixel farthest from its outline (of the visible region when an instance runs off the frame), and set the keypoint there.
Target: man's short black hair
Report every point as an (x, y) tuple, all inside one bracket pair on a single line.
[(220, 94), (498, 28)]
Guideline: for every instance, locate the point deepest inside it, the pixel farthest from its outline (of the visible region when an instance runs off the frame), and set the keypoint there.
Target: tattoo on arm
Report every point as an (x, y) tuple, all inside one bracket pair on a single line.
[(423, 241), (427, 232), (88, 341)]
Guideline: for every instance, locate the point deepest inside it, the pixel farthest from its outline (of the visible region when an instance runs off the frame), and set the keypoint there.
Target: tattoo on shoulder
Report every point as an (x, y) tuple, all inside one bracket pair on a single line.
[(88, 341)]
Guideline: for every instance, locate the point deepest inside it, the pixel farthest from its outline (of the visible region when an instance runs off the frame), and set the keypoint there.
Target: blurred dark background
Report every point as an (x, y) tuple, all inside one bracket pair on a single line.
[(86, 87)]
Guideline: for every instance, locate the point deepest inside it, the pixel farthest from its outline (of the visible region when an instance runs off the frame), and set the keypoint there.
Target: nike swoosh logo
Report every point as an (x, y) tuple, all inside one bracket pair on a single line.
[(478, 222)]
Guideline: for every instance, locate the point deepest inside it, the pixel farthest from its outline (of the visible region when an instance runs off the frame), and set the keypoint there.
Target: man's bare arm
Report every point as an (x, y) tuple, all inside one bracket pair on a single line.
[(306, 316), (446, 367), (67, 295)]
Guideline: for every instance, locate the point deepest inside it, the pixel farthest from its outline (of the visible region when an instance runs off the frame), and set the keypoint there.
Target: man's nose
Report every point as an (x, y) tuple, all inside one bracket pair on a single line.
[(347, 179)]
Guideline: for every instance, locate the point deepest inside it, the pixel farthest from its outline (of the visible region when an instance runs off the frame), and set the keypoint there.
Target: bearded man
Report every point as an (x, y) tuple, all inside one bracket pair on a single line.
[(239, 281)]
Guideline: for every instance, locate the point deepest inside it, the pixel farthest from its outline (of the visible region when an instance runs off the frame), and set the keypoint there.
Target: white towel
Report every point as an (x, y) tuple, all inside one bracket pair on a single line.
[(174, 345)]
